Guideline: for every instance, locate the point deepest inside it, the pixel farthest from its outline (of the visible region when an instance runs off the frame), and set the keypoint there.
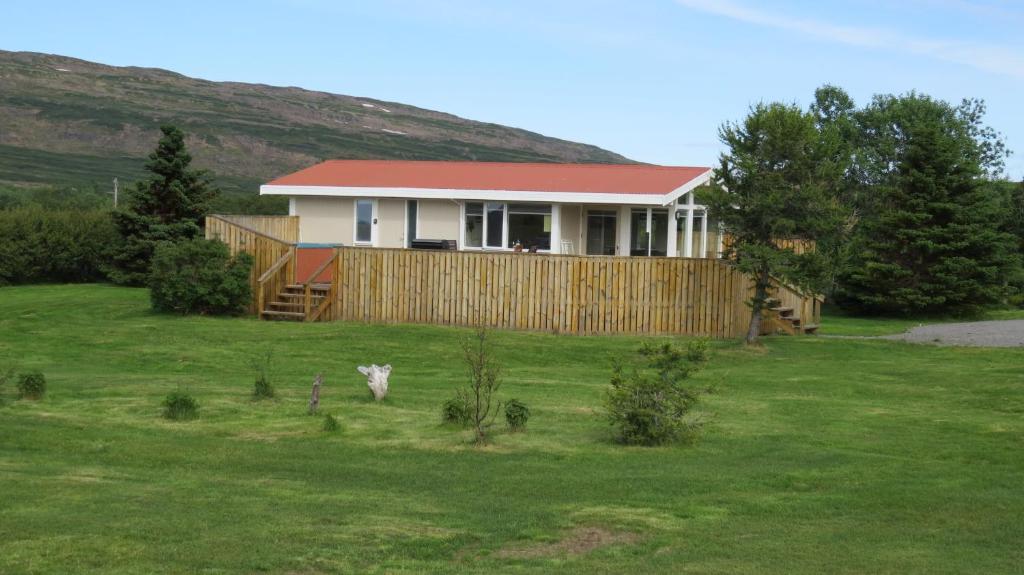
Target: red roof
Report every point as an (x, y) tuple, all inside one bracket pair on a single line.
[(583, 178)]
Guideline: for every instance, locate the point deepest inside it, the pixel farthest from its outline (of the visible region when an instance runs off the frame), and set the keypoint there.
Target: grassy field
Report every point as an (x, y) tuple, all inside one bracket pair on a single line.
[(821, 455), (837, 323)]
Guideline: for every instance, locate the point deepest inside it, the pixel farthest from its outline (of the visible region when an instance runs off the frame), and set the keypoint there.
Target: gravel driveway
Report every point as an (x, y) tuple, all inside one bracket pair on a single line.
[(1004, 333)]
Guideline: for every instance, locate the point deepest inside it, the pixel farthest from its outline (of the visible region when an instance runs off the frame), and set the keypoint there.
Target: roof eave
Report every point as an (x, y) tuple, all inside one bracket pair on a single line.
[(465, 194)]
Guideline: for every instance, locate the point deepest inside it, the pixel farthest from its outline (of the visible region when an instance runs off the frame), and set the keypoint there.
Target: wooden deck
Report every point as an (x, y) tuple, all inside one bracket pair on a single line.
[(554, 293)]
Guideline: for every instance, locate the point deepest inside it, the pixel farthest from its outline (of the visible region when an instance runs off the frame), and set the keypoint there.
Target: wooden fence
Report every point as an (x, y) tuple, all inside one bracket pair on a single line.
[(556, 293), (284, 228), (561, 294)]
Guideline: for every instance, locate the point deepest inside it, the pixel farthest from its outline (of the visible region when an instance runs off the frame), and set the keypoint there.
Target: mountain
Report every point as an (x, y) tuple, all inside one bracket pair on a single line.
[(65, 121)]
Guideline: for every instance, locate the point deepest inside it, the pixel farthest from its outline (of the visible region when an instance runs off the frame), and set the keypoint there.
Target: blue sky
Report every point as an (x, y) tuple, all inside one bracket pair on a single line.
[(651, 79)]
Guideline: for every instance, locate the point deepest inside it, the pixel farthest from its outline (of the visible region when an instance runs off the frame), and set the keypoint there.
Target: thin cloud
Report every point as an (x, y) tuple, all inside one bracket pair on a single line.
[(990, 58)]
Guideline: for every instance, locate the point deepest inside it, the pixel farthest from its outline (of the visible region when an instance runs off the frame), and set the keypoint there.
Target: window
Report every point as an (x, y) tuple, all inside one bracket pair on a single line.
[(495, 224), (474, 225), (364, 221), (648, 232), (529, 225)]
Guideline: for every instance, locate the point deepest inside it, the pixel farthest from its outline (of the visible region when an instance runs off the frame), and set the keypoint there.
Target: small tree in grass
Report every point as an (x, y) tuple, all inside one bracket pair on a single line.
[(647, 402), (484, 382), (777, 181)]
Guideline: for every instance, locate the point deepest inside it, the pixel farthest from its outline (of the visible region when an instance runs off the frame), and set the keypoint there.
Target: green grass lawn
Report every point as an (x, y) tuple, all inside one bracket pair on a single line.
[(820, 455), (835, 322)]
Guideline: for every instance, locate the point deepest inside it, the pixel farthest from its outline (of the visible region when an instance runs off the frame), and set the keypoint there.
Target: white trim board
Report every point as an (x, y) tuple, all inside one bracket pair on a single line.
[(489, 195)]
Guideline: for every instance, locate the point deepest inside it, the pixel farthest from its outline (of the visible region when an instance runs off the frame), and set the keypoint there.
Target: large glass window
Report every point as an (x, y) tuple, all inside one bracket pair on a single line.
[(364, 221), (648, 232), (601, 232), (474, 225), (495, 224), (529, 225)]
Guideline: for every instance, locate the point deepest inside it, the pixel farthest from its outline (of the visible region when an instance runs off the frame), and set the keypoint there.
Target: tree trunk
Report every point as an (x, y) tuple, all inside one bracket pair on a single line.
[(314, 397), (761, 285)]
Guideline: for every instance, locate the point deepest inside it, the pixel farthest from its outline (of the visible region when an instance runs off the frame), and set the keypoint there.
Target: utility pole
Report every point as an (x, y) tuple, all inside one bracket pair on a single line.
[(115, 193)]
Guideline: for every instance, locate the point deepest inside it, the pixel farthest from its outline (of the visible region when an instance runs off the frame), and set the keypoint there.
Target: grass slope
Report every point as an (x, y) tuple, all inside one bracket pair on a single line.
[(69, 121), (841, 456)]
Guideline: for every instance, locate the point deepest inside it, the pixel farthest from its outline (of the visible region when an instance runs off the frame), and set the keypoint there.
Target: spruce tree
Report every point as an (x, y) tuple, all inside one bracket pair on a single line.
[(169, 205), (778, 181), (933, 241)]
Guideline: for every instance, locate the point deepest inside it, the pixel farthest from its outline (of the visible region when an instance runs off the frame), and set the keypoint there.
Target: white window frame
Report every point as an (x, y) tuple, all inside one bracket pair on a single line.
[(373, 222)]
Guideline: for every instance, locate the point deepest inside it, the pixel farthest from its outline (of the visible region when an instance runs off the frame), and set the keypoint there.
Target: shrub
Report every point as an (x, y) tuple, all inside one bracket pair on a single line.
[(330, 423), (262, 388), (200, 276), (516, 415), (648, 405), (180, 406), (54, 246), (31, 385), (456, 410)]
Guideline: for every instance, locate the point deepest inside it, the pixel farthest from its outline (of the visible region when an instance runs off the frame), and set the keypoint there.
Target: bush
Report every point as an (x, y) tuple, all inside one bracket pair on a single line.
[(330, 423), (456, 410), (31, 385), (54, 246), (180, 406), (200, 276), (648, 405), (516, 415), (262, 388)]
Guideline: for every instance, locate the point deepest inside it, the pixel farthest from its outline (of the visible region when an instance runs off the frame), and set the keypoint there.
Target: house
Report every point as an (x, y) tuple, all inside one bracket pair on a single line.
[(574, 209)]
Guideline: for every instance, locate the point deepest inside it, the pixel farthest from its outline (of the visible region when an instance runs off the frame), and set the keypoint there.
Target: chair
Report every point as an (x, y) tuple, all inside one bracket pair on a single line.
[(567, 247)]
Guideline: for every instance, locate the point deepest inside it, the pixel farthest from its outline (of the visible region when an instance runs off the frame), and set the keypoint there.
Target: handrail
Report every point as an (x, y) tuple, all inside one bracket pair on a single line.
[(277, 265), (252, 230)]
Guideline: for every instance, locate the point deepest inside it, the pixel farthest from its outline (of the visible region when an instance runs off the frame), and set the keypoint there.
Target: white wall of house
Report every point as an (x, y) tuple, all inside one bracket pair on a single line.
[(324, 219), (572, 227), (439, 220), (331, 220)]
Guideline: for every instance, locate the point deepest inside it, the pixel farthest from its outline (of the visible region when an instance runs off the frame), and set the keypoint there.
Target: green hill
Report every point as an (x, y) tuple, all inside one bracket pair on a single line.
[(70, 122)]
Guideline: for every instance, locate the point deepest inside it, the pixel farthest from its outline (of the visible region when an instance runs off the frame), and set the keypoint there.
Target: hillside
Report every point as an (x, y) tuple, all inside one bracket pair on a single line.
[(66, 121)]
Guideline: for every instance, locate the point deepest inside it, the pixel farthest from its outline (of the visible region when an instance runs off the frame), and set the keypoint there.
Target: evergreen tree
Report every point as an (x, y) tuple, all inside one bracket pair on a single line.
[(167, 206), (934, 241), (777, 181)]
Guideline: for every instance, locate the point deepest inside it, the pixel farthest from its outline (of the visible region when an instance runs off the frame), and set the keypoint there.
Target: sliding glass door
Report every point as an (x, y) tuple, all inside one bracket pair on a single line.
[(601, 226)]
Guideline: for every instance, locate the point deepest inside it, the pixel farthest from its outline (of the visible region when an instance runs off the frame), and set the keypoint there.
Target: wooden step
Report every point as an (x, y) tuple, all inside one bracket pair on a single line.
[(291, 295), (811, 329), (313, 287), (783, 311), (284, 315), (286, 305)]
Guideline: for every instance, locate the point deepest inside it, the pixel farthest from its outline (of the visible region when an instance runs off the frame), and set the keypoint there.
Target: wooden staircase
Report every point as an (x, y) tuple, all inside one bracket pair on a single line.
[(291, 303), (783, 319), (279, 298)]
